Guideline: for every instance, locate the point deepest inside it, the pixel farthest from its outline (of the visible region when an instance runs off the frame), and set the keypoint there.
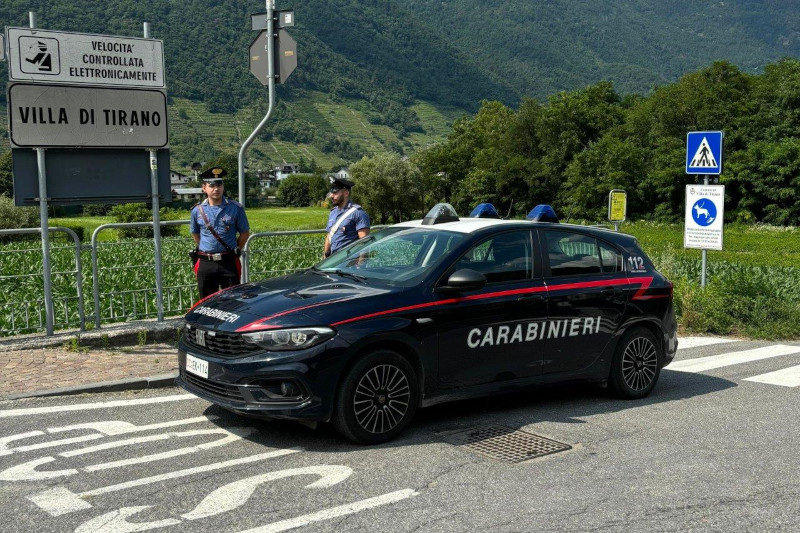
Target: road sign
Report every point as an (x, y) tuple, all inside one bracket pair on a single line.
[(617, 205), (283, 19), (705, 206), (90, 176), (285, 56), (43, 116), (84, 58), (704, 152)]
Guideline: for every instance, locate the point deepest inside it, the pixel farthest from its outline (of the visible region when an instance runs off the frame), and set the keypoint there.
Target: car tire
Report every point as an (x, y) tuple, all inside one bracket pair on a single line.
[(377, 398), (636, 364)]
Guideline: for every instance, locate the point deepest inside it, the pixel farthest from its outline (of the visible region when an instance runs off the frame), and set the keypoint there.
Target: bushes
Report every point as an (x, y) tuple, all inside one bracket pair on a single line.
[(13, 217), (142, 213), (302, 190)]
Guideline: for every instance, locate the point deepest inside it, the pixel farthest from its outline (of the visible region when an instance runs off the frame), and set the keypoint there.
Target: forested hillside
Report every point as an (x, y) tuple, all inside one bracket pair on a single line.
[(384, 60)]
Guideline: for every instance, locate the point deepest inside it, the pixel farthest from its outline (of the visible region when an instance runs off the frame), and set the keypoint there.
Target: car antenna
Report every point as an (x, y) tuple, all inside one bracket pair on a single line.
[(509, 209), (569, 215)]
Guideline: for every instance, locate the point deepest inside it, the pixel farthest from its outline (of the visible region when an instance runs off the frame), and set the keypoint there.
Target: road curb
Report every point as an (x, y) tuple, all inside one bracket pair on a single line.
[(125, 334), (151, 382)]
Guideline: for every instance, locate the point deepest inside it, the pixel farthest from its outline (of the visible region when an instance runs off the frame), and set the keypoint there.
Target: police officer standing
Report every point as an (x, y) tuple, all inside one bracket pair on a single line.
[(347, 222), (214, 226)]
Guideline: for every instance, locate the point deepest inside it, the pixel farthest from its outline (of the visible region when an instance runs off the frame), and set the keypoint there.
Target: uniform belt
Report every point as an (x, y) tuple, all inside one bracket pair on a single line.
[(213, 256)]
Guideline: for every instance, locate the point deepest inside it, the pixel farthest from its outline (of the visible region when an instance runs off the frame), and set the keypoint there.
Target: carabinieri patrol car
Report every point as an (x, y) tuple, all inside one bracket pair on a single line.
[(429, 311)]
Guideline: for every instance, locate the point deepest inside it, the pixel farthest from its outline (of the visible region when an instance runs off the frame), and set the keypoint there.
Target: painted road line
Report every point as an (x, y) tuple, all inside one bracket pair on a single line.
[(685, 343), (104, 429), (92, 406), (701, 364), (788, 377), (60, 500), (235, 494), (334, 512)]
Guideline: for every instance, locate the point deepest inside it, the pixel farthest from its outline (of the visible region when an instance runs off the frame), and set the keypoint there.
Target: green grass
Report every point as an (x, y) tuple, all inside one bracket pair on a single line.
[(261, 219)]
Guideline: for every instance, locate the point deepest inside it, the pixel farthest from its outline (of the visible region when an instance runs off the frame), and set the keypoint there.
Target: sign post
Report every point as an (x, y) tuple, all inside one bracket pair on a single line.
[(272, 55), (704, 204), (617, 207)]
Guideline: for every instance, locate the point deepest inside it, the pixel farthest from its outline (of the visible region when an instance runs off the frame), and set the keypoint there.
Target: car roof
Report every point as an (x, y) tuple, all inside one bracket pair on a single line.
[(476, 225)]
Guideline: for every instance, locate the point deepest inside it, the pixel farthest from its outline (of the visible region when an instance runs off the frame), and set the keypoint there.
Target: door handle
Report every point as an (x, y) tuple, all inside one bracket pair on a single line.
[(531, 298)]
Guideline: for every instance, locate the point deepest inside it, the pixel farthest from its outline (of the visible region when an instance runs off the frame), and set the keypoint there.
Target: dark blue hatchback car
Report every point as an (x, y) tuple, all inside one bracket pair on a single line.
[(428, 311)]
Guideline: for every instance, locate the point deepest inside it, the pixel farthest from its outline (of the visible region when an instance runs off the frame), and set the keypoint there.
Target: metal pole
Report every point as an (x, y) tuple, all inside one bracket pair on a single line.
[(271, 86), (156, 218), (704, 251), (48, 287)]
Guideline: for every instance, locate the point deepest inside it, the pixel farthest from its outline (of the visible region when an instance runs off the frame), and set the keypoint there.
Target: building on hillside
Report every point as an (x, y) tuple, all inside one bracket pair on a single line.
[(176, 179), (187, 194), (343, 172)]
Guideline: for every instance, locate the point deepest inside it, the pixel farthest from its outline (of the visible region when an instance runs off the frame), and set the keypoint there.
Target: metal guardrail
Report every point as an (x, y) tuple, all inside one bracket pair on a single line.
[(122, 283)]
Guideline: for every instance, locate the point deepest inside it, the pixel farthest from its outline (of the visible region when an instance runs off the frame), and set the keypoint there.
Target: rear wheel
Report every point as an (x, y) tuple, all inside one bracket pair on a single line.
[(635, 368), (377, 399)]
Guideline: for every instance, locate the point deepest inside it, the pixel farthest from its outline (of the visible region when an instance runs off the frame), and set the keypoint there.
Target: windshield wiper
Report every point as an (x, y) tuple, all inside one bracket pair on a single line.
[(350, 275)]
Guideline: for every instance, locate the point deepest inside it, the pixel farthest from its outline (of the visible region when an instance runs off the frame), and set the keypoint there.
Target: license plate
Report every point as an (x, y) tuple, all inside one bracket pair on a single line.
[(196, 366)]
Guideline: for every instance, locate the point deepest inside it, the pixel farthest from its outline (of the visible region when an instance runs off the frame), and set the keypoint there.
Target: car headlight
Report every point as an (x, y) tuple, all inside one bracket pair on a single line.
[(289, 339)]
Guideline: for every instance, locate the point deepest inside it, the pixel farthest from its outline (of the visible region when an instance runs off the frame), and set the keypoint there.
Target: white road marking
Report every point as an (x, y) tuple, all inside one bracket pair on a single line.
[(788, 377), (701, 364), (60, 500), (91, 406), (685, 343), (27, 471), (115, 522), (334, 512), (236, 494), (107, 428)]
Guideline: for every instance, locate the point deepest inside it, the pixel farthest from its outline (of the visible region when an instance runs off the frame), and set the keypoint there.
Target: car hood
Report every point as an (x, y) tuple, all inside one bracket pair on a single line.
[(301, 299)]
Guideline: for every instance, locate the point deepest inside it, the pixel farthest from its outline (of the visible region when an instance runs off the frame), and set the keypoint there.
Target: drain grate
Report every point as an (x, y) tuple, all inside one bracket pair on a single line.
[(505, 444)]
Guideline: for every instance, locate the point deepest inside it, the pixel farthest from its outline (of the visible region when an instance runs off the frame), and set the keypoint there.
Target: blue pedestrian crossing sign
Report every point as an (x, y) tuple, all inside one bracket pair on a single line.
[(704, 152)]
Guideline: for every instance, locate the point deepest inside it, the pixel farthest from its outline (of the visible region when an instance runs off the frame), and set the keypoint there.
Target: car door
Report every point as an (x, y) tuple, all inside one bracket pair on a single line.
[(585, 282), (491, 334)]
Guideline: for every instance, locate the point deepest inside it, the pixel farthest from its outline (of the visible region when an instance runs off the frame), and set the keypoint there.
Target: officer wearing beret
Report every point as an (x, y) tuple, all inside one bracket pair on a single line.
[(347, 222), (214, 225)]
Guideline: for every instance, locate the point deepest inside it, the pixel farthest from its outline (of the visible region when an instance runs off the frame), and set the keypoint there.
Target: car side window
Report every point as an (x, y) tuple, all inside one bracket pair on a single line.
[(610, 258), (572, 254), (501, 258)]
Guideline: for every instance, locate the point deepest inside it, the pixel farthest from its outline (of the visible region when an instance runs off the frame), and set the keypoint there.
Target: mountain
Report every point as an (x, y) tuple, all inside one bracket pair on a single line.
[(366, 68)]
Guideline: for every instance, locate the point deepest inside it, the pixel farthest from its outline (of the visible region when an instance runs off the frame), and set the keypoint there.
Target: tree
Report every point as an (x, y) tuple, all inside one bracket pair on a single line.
[(302, 190), (387, 186), (6, 177)]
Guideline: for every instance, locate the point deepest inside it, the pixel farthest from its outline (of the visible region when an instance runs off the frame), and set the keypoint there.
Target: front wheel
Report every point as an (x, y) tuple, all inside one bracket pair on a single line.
[(635, 367), (377, 399)]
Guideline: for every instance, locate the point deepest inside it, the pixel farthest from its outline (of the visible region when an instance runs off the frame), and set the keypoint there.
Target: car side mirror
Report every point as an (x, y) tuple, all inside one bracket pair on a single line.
[(464, 279)]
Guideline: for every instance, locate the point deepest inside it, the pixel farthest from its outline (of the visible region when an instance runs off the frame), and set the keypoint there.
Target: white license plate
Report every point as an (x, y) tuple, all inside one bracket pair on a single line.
[(196, 366)]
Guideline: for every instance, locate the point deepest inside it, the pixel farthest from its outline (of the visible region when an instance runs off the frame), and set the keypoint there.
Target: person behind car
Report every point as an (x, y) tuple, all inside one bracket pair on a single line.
[(215, 223), (347, 221)]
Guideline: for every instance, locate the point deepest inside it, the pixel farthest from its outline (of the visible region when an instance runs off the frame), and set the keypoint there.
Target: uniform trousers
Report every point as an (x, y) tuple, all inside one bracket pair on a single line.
[(215, 275)]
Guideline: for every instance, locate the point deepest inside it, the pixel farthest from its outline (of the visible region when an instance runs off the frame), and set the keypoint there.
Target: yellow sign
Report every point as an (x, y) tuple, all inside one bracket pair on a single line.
[(617, 205)]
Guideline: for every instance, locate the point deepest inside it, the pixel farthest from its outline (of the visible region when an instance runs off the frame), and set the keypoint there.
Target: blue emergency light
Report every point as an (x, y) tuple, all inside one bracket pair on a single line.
[(484, 210), (542, 213)]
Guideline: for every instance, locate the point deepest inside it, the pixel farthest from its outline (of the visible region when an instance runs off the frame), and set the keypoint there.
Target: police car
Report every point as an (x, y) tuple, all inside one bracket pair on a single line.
[(433, 310)]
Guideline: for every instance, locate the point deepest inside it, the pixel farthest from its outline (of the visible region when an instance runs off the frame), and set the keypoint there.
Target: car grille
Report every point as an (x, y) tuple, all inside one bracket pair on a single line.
[(219, 390), (220, 343)]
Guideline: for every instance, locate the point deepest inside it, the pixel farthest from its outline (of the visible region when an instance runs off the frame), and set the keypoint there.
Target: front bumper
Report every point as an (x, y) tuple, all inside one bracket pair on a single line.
[(297, 386)]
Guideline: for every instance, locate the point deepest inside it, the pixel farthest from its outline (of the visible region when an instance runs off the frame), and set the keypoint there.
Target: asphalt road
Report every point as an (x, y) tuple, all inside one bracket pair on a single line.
[(714, 448)]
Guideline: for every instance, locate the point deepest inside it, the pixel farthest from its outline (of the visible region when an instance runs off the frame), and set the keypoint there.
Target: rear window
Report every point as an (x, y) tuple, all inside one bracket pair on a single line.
[(572, 254)]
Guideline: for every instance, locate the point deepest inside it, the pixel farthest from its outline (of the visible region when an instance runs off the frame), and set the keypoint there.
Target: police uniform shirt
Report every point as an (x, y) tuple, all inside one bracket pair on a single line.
[(227, 219), (347, 231)]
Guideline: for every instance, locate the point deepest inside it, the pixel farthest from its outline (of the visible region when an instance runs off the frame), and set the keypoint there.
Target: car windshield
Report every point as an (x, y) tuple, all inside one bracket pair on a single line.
[(397, 255)]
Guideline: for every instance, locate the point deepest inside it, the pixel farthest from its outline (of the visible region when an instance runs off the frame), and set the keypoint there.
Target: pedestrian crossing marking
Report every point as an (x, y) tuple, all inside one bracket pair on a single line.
[(704, 156), (711, 362), (788, 377), (685, 343)]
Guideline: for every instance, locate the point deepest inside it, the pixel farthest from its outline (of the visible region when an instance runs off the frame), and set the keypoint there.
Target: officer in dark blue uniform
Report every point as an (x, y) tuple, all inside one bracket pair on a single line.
[(347, 222), (215, 223)]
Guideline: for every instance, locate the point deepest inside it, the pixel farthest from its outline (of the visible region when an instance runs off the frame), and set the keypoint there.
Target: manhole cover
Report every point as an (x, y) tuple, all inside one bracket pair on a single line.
[(505, 444)]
